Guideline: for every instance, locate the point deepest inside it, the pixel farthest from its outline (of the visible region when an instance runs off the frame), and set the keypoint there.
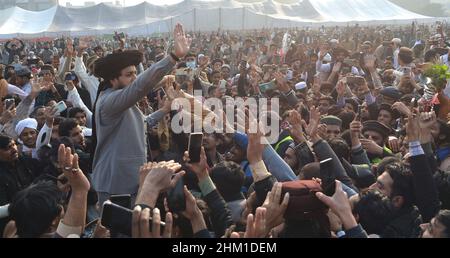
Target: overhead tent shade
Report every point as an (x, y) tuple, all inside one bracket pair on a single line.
[(146, 18)]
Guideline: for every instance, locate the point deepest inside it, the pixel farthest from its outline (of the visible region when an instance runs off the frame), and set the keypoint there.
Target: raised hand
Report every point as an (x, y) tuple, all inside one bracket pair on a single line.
[(36, 86), (340, 205), (8, 114), (371, 147), (275, 206), (50, 114), (402, 108), (369, 62), (193, 212), (143, 172), (281, 82), (200, 169), (340, 88), (162, 176), (256, 225), (337, 67), (313, 121), (68, 163), (255, 146), (182, 42), (427, 120)]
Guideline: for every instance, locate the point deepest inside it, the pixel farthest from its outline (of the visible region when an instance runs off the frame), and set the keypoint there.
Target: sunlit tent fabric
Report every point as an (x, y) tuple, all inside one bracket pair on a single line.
[(147, 18)]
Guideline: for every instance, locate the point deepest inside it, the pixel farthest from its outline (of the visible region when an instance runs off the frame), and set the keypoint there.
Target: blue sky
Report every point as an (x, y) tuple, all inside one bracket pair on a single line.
[(127, 2)]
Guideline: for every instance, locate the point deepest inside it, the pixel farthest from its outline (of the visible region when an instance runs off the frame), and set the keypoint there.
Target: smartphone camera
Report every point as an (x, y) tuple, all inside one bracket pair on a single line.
[(118, 219), (195, 147), (327, 176), (9, 103), (70, 77)]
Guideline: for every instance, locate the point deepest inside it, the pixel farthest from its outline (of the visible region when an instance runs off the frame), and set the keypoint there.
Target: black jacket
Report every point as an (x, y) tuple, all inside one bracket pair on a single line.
[(220, 214), (15, 178), (406, 224), (425, 191)]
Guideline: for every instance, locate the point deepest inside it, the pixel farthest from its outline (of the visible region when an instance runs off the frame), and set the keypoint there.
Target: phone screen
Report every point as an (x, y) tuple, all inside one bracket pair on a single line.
[(267, 86), (119, 219), (195, 145), (9, 103), (359, 114), (61, 106), (327, 176)]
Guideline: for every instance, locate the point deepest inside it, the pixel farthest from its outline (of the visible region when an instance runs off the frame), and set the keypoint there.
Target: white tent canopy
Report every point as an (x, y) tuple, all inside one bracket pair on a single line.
[(147, 18)]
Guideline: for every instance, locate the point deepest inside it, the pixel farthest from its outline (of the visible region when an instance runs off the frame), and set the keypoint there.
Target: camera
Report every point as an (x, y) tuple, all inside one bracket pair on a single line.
[(70, 77), (9, 103), (118, 219)]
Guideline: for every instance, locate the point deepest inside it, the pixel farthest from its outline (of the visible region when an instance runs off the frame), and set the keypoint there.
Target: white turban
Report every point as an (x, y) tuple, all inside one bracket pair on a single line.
[(300, 86), (26, 123)]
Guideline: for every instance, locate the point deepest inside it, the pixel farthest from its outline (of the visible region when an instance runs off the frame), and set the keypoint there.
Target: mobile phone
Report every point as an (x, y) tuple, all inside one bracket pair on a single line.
[(327, 176), (119, 219), (9, 103), (89, 229), (244, 64), (414, 103), (406, 71), (359, 114), (195, 147), (223, 84), (176, 199), (70, 77), (122, 200), (61, 107), (267, 86)]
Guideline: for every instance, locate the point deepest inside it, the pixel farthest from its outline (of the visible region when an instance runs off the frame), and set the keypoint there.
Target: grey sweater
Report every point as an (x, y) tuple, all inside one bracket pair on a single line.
[(120, 133)]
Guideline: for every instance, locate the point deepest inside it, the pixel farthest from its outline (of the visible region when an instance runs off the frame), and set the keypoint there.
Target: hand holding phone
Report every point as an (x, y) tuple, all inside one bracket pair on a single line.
[(359, 113), (61, 107), (10, 103), (119, 219), (328, 177), (176, 199)]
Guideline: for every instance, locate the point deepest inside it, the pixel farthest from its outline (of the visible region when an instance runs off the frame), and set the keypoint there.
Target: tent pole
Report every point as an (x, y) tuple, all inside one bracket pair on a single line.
[(195, 19), (243, 18), (220, 18)]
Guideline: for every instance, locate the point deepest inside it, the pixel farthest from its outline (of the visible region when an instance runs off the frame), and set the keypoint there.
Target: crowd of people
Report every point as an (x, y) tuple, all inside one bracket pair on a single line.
[(363, 147)]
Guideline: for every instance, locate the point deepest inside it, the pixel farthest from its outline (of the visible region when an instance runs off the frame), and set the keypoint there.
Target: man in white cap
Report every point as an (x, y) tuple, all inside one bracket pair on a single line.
[(28, 134), (397, 44), (300, 86)]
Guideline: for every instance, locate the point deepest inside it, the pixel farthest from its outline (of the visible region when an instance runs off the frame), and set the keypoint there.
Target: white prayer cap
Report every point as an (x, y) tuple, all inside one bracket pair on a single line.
[(327, 58), (300, 86), (397, 41), (26, 123), (334, 41)]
